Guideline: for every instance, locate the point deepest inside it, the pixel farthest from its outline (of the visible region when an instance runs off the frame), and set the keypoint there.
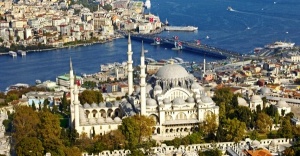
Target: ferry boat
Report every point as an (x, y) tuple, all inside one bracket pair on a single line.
[(12, 53), (178, 46), (230, 9), (281, 45), (178, 28), (156, 41), (21, 52), (147, 4)]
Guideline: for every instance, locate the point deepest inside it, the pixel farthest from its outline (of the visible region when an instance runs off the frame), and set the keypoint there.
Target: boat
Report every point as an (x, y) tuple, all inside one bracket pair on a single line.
[(145, 51), (12, 53), (179, 28), (147, 4), (21, 52), (38, 81), (178, 46), (156, 41), (280, 45), (166, 23), (230, 8)]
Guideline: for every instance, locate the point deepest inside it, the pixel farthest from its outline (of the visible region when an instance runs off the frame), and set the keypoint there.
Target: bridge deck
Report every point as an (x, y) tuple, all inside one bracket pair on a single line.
[(188, 46)]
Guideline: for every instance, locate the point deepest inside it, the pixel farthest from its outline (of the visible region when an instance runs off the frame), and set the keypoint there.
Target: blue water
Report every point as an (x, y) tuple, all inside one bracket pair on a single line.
[(268, 22)]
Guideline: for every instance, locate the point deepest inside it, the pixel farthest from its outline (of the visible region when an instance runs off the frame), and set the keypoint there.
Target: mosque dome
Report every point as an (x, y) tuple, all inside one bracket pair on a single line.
[(92, 120), (108, 119), (190, 100), (206, 99), (242, 102), (151, 102), (138, 89), (86, 105), (117, 119), (178, 101), (148, 88), (265, 90), (282, 104), (128, 105), (255, 143), (102, 104), (172, 71), (94, 105), (108, 104), (256, 98), (166, 101), (116, 104), (100, 120), (157, 88)]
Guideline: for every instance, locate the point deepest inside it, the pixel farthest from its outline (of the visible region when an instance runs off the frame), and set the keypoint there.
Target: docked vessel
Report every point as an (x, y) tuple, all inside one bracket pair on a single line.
[(178, 46), (12, 53), (21, 52), (281, 45), (230, 9), (156, 41), (147, 4), (178, 28)]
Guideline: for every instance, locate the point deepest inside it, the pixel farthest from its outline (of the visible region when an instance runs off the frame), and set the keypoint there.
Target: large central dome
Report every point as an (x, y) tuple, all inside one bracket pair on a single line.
[(172, 71)]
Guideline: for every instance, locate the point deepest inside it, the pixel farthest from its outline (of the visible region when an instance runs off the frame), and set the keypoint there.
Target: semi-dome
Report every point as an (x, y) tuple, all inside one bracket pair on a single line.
[(282, 104), (138, 89), (151, 102), (128, 105), (256, 98), (157, 88), (178, 101), (172, 71), (166, 101), (190, 100), (242, 101), (255, 143), (86, 105), (116, 103), (206, 99)]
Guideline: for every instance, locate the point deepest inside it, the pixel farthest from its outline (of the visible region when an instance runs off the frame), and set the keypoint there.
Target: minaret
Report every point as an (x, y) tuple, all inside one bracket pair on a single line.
[(143, 82), (129, 66), (71, 82), (76, 107), (203, 72), (72, 91)]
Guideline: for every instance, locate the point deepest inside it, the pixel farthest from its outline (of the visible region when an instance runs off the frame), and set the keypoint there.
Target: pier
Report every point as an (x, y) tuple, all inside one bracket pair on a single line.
[(188, 46)]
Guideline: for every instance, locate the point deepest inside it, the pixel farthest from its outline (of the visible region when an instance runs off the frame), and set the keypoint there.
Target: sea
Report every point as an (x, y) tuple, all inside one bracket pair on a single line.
[(251, 24)]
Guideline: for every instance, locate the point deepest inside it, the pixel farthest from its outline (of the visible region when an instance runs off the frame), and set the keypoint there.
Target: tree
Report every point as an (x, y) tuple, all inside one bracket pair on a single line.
[(64, 103), (136, 129), (72, 151), (234, 130), (243, 114), (25, 123), (88, 96), (210, 125), (49, 133), (30, 146), (289, 152), (33, 105), (210, 152), (286, 130), (263, 122)]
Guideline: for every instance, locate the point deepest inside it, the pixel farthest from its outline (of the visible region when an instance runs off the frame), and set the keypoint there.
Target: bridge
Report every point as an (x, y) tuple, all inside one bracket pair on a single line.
[(187, 46)]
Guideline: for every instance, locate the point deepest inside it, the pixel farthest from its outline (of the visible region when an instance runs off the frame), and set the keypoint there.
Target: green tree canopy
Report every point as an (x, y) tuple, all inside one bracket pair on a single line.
[(234, 130), (30, 146), (263, 122)]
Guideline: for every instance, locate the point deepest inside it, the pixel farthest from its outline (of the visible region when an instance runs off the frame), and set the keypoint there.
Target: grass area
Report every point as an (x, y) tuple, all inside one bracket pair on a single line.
[(64, 122)]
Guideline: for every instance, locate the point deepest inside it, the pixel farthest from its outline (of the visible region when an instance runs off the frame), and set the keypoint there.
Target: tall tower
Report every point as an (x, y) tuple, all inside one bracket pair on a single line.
[(129, 66), (203, 73), (143, 82), (76, 107), (72, 92)]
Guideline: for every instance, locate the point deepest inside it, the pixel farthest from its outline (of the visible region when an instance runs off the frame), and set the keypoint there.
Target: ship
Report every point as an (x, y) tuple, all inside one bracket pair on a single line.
[(178, 46), (147, 4), (12, 53), (280, 45), (156, 41), (230, 9), (21, 52), (178, 28)]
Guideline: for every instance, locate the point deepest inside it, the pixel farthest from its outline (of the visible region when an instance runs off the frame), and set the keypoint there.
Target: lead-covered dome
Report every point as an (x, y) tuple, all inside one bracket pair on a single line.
[(172, 71), (151, 102), (178, 101), (256, 98), (282, 104), (206, 99)]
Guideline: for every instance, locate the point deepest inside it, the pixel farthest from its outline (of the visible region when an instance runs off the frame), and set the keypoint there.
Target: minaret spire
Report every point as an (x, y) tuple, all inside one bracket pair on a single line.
[(129, 66), (72, 97), (143, 82)]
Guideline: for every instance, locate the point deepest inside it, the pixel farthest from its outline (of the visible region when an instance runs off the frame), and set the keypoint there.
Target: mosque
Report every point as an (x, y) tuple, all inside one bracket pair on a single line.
[(172, 97)]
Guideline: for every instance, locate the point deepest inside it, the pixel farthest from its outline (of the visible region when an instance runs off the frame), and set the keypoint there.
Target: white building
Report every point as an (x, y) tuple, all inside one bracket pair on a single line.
[(255, 101), (282, 107), (171, 97)]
